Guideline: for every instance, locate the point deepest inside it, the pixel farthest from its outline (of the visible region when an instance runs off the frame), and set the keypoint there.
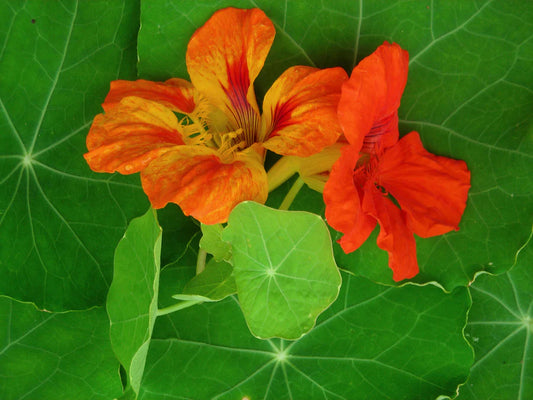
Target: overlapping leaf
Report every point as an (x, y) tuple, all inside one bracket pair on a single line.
[(59, 222), (132, 298), (51, 356), (500, 326)]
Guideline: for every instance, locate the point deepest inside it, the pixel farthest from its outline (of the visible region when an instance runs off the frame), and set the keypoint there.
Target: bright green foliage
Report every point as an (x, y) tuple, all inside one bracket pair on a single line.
[(374, 342), (212, 242), (49, 356), (60, 222), (215, 283), (500, 328), (283, 267), (132, 298)]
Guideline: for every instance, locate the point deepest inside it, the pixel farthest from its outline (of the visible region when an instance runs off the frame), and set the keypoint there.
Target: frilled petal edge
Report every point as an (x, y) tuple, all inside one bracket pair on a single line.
[(300, 111), (195, 178), (394, 237), (344, 203), (431, 189)]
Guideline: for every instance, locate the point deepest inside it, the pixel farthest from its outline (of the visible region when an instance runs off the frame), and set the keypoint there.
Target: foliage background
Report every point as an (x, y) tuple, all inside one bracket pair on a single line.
[(469, 94)]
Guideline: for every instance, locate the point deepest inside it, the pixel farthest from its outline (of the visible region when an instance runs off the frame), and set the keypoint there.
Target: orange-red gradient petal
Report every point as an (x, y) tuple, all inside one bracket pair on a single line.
[(371, 97), (394, 237), (431, 189), (176, 94), (225, 56), (343, 203), (300, 111), (203, 186), (130, 136)]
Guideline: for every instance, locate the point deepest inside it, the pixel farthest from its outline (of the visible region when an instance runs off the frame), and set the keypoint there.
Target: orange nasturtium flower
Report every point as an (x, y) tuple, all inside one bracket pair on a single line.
[(211, 158), (380, 179)]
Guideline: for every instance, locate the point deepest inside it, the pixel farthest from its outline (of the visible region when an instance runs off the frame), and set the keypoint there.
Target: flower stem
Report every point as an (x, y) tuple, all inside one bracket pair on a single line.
[(177, 307), (291, 194), (281, 171), (200, 261)]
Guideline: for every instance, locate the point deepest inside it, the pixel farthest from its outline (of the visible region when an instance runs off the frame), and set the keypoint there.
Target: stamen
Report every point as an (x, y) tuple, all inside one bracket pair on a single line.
[(229, 143)]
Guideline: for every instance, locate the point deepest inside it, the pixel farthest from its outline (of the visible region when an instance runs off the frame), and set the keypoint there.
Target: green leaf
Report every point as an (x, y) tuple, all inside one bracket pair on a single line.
[(212, 242), (132, 298), (63, 220), (283, 267), (468, 94), (500, 326), (374, 342), (47, 355), (215, 283)]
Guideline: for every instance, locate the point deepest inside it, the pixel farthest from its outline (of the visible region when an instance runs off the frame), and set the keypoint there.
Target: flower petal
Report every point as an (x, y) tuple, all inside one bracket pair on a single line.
[(203, 186), (300, 111), (431, 189), (128, 137), (225, 56), (176, 94), (343, 202), (394, 237), (371, 97)]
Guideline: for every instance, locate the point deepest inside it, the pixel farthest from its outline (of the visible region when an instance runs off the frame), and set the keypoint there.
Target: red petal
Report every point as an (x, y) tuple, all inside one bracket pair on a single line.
[(203, 186), (343, 202), (176, 94), (371, 97), (225, 56), (394, 237), (300, 111), (431, 189), (130, 136)]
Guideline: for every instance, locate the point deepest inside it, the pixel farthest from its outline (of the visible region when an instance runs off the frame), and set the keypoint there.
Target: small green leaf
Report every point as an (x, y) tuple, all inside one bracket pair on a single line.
[(212, 242), (500, 325), (283, 267), (47, 355), (132, 298), (215, 283)]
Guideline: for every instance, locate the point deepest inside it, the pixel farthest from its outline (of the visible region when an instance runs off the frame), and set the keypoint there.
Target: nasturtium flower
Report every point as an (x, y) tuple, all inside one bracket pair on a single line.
[(380, 179), (201, 144)]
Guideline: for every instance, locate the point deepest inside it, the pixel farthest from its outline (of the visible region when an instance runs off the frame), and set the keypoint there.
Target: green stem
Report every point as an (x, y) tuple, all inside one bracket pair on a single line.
[(177, 307), (291, 194), (200, 261)]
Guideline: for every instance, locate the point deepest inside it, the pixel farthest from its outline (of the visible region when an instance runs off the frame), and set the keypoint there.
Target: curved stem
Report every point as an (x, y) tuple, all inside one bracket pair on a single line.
[(177, 307), (291, 194), (200, 261)]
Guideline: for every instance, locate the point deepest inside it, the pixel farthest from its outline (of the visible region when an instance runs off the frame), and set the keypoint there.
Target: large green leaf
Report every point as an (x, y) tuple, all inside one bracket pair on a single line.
[(284, 268), (64, 221), (132, 297), (469, 94), (500, 326), (50, 356), (374, 342)]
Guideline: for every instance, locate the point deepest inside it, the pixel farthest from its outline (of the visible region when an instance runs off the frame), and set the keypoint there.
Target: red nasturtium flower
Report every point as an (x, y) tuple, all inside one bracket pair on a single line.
[(212, 158), (380, 179)]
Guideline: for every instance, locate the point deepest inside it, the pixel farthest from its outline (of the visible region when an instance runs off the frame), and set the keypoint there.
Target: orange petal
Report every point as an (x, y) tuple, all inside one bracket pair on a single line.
[(343, 203), (394, 237), (431, 189), (300, 111), (176, 94), (225, 56), (371, 97), (203, 186), (130, 136)]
